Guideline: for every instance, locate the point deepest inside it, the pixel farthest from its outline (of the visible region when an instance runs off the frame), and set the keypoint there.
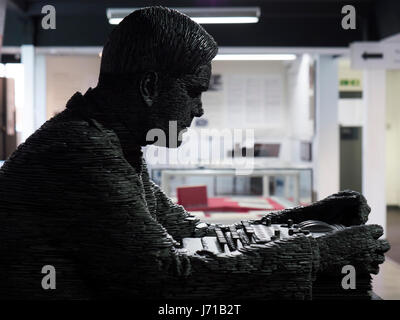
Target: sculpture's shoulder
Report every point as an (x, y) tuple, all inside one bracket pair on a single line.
[(74, 131), (66, 135)]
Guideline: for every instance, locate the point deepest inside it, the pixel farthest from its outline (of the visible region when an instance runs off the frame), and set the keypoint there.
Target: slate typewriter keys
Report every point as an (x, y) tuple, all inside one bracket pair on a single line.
[(243, 237), (231, 244), (267, 222), (231, 238), (289, 224), (235, 235)]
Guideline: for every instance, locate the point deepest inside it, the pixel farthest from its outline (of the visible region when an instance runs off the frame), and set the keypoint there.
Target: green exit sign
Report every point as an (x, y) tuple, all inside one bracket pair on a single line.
[(350, 82)]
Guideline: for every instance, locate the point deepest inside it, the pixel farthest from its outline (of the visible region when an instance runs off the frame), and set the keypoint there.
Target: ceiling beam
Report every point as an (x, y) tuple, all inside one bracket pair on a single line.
[(18, 5)]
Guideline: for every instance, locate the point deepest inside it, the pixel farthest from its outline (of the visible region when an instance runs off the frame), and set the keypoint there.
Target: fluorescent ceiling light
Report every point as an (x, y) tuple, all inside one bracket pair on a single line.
[(210, 20), (201, 15), (247, 57), (115, 20)]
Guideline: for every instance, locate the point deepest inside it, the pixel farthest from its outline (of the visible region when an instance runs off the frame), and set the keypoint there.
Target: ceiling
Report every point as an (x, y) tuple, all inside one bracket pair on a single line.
[(283, 23)]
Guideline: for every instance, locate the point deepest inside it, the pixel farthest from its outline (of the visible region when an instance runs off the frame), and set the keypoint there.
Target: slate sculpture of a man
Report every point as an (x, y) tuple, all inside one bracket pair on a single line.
[(77, 196)]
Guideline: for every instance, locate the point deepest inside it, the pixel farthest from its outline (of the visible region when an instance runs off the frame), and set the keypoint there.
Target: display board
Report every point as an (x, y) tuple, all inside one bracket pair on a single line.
[(245, 101)]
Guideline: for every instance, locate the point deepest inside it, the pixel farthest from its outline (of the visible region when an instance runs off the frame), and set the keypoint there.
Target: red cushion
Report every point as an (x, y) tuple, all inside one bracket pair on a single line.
[(226, 205), (195, 198), (192, 196)]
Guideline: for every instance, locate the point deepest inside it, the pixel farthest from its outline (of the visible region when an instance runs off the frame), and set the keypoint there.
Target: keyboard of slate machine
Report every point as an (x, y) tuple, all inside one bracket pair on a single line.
[(231, 238)]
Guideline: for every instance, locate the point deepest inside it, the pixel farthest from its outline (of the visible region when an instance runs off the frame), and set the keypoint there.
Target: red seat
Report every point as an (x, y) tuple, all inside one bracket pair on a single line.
[(192, 196), (195, 198)]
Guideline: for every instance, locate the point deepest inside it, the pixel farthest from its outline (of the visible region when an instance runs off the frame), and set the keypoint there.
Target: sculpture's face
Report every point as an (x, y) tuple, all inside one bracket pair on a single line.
[(180, 100)]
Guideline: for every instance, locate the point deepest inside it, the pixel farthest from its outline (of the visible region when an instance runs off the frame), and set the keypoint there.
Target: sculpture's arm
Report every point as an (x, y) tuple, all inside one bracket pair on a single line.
[(283, 269), (345, 207), (123, 251), (178, 222), (174, 218)]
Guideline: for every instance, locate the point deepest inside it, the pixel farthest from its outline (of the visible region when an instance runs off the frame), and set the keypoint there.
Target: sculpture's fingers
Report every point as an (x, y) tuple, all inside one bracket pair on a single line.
[(206, 253), (379, 259), (384, 246), (375, 230), (364, 210), (373, 268)]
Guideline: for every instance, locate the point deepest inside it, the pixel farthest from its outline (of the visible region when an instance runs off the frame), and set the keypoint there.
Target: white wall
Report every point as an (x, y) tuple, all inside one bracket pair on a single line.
[(66, 75), (393, 137), (374, 140), (248, 71), (273, 126), (40, 111), (300, 124), (351, 111), (28, 120), (326, 142)]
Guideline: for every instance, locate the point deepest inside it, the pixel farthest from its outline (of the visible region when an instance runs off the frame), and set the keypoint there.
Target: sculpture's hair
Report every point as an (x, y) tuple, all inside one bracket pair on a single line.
[(157, 39)]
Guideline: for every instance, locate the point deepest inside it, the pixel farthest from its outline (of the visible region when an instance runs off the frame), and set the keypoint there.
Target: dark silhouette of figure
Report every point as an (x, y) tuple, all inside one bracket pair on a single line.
[(77, 196)]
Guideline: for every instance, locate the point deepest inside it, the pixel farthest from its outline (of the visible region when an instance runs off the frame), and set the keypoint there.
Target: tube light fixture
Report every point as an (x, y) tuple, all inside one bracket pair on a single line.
[(255, 57), (206, 15)]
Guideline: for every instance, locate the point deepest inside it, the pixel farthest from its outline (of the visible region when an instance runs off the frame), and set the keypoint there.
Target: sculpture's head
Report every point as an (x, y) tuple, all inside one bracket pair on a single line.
[(159, 62)]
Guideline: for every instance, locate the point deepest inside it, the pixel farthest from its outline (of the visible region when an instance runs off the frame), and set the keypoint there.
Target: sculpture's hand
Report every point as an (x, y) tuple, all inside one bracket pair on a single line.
[(347, 207), (358, 246)]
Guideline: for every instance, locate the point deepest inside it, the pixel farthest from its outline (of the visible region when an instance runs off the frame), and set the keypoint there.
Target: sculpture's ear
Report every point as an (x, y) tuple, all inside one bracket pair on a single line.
[(149, 87)]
